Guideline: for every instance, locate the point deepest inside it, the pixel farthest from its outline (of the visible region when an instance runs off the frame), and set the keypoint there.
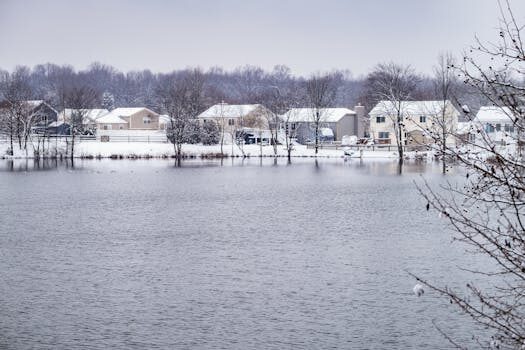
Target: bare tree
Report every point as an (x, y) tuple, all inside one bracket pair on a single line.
[(320, 94), (274, 104), (181, 97), (445, 82), (17, 111), (487, 210), (391, 84), (80, 99)]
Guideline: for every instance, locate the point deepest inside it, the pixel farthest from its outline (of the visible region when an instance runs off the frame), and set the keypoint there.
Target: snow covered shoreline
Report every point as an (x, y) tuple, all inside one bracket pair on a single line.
[(121, 150)]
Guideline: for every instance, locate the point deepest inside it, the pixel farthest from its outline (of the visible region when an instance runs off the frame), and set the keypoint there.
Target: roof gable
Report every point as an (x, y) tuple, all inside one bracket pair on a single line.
[(411, 107), (223, 110), (494, 114), (329, 115)]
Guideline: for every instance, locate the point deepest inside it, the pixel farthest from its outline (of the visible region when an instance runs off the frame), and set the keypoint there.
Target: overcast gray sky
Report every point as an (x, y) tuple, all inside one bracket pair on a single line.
[(306, 35)]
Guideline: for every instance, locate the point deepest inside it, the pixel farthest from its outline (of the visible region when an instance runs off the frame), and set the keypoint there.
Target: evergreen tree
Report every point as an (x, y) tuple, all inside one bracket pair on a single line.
[(108, 101), (210, 133)]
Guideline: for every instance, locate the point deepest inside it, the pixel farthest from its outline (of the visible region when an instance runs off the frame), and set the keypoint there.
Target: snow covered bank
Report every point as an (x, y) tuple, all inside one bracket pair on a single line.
[(96, 149)]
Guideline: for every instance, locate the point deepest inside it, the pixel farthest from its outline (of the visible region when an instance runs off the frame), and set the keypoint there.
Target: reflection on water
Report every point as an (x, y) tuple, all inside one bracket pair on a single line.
[(372, 167), (142, 254)]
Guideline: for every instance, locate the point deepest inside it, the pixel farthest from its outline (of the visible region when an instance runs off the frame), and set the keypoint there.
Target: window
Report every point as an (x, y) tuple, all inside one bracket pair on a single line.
[(498, 127), (489, 128), (231, 122), (293, 126), (146, 120), (383, 135), (423, 119), (107, 127), (380, 119), (121, 127), (509, 128)]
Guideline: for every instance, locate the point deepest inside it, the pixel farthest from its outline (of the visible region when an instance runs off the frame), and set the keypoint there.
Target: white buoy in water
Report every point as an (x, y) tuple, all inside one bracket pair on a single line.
[(418, 290)]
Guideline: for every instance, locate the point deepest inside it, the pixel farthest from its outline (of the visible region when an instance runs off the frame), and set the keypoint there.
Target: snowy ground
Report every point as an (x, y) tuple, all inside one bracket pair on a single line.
[(88, 149)]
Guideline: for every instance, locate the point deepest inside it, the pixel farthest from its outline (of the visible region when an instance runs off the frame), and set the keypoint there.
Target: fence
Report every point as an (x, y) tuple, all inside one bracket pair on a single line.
[(378, 147), (133, 138), (103, 138)]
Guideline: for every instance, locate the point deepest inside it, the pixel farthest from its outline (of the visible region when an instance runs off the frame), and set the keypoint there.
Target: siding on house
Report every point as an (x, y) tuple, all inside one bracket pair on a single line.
[(136, 121)]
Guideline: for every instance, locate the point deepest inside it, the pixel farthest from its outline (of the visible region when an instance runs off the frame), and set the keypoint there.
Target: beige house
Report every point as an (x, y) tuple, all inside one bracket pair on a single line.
[(235, 117), (139, 118), (422, 122)]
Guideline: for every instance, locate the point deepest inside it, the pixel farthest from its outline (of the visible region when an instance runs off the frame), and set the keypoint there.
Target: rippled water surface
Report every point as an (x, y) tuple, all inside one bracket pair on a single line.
[(145, 255)]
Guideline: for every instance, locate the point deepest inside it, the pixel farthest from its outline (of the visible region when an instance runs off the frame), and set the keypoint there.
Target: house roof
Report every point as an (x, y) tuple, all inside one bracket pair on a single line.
[(89, 114), (494, 114), (37, 103), (329, 115), (409, 107), (129, 111), (110, 118), (223, 110), (115, 116), (464, 128)]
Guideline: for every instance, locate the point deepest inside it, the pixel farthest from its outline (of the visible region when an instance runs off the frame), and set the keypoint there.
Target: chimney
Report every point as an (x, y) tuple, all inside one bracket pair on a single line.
[(360, 120)]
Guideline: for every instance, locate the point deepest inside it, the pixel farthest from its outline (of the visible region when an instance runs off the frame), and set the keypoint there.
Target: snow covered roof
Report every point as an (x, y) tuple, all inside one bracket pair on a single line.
[(110, 118), (329, 115), (164, 119), (37, 103), (494, 114), (115, 116), (56, 124), (224, 110), (326, 132), (464, 128), (409, 107), (89, 114), (129, 111), (34, 103)]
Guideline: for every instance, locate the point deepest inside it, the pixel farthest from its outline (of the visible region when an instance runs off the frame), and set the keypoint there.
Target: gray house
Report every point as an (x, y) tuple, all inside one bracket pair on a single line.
[(334, 124)]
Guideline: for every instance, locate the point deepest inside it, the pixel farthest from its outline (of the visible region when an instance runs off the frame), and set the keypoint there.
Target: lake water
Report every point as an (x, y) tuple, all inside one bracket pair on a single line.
[(238, 255)]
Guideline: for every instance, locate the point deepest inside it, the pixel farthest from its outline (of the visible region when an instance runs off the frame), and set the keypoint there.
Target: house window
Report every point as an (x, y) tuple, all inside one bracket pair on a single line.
[(498, 127), (422, 119), (121, 127), (489, 128), (146, 120), (107, 127), (509, 128), (383, 135), (231, 122), (380, 119)]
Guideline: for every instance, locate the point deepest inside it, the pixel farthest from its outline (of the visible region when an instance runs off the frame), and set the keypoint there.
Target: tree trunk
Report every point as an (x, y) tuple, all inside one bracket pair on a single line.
[(399, 139), (72, 145), (11, 140), (316, 137)]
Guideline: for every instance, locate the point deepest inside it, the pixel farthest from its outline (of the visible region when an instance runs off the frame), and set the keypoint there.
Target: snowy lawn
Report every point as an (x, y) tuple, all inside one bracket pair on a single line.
[(92, 149)]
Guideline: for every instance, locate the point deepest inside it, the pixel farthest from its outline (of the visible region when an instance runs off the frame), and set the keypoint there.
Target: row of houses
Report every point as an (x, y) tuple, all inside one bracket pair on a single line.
[(421, 121)]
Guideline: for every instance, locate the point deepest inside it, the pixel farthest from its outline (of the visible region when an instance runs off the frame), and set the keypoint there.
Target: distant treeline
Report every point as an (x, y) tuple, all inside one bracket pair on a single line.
[(243, 85)]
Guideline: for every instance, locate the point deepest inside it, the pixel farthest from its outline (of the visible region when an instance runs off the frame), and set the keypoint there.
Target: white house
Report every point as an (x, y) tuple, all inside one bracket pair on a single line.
[(139, 118), (422, 121), (495, 123), (249, 121), (334, 123), (236, 116)]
